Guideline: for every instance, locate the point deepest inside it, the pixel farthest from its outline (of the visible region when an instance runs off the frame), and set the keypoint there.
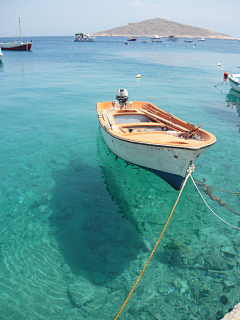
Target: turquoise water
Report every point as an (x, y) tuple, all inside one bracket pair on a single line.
[(77, 225)]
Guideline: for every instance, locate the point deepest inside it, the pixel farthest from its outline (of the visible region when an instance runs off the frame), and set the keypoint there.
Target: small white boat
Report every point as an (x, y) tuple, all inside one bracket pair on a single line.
[(1, 55), (17, 45), (234, 80), (83, 37), (142, 134), (201, 39), (156, 38), (188, 40)]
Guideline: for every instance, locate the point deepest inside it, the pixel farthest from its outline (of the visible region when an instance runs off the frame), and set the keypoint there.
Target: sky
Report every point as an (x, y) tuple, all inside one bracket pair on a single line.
[(65, 18)]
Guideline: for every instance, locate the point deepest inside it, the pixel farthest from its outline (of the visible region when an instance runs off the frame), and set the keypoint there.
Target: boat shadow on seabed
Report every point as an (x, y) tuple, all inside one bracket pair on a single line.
[(92, 235)]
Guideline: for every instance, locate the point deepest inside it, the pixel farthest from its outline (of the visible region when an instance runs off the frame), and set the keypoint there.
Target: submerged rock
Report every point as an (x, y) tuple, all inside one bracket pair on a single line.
[(80, 292), (223, 299), (98, 277), (227, 250), (181, 285)]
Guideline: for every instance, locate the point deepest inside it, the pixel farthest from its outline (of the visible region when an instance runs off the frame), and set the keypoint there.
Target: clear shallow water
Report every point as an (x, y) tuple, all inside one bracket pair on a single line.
[(77, 226)]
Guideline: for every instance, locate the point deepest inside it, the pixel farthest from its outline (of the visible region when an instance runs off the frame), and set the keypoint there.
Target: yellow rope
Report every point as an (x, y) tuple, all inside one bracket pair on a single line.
[(190, 170)]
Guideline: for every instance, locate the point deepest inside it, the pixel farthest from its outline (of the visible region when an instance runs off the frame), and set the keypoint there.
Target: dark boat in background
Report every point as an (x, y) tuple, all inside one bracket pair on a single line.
[(17, 45), (132, 39)]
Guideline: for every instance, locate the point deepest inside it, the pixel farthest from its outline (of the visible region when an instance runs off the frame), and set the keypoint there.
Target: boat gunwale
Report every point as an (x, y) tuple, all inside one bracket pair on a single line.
[(154, 145), (232, 78), (175, 144)]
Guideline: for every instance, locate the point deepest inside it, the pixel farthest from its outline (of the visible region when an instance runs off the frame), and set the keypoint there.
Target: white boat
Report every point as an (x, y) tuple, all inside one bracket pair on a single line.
[(156, 38), (83, 37), (1, 55), (234, 80), (142, 134), (201, 39), (188, 40), (17, 45)]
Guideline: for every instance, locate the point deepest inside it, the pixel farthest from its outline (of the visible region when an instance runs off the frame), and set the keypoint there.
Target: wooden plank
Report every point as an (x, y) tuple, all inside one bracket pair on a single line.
[(165, 121)]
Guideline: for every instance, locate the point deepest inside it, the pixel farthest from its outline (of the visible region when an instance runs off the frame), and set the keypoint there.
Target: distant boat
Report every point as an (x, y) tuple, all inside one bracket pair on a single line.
[(172, 38), (234, 80), (141, 134), (156, 38), (126, 43), (82, 36), (131, 39), (188, 40), (201, 39), (17, 45), (1, 55), (144, 41)]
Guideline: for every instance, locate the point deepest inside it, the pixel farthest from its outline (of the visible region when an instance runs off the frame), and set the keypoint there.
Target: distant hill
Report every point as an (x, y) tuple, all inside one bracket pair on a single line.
[(162, 28)]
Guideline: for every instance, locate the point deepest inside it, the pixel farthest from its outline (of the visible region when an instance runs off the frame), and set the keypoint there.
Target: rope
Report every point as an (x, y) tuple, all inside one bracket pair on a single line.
[(219, 189), (209, 207), (189, 171), (219, 83)]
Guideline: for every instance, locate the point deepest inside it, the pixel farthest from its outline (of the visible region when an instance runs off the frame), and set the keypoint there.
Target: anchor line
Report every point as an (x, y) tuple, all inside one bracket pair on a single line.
[(189, 171)]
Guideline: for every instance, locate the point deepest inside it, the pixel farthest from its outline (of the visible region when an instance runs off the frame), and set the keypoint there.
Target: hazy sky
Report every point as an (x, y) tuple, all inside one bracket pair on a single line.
[(65, 18)]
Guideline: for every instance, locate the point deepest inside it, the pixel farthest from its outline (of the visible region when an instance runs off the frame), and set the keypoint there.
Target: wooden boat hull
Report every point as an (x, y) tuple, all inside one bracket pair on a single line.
[(151, 147), (233, 83), (157, 159), (23, 46)]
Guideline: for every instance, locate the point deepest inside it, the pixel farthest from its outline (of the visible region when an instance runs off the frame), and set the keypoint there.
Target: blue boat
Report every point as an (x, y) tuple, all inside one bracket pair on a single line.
[(84, 37), (234, 80)]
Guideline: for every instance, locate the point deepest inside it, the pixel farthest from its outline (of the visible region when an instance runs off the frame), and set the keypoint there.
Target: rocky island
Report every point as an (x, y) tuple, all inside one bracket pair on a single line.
[(163, 28)]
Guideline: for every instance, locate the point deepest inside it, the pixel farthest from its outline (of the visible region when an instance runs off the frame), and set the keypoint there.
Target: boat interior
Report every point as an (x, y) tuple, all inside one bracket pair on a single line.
[(141, 121)]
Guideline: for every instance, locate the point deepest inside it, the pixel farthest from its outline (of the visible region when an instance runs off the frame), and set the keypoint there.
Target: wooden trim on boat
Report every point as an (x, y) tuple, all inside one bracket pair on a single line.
[(152, 138)]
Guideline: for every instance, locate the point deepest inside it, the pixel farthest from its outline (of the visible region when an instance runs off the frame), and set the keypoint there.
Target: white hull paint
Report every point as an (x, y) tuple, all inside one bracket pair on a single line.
[(170, 163), (234, 85)]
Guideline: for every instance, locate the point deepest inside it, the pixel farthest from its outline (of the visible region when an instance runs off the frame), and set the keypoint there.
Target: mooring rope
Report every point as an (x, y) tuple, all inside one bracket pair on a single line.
[(219, 189), (189, 171), (210, 208)]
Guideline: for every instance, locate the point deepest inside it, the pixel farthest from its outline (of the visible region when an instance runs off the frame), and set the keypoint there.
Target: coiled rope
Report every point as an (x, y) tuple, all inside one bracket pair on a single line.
[(189, 171)]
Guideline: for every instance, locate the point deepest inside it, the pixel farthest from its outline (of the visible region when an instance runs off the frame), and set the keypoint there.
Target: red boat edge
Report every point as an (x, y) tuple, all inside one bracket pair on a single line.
[(26, 46)]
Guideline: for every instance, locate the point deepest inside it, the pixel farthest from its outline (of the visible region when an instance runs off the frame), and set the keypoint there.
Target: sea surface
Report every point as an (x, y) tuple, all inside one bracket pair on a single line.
[(77, 225)]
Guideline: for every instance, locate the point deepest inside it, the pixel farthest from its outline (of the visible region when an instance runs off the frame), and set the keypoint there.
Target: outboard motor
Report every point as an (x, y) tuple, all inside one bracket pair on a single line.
[(122, 96)]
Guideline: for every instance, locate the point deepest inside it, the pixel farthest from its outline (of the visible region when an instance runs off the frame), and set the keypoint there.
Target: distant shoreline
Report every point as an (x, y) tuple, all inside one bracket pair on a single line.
[(149, 36), (163, 28)]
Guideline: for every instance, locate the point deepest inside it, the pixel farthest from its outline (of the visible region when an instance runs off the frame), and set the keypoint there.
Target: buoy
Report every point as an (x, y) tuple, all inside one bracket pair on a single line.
[(219, 64), (138, 76), (225, 75)]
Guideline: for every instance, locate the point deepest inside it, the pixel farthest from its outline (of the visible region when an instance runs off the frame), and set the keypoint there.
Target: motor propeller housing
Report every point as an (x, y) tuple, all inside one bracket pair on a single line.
[(122, 96)]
